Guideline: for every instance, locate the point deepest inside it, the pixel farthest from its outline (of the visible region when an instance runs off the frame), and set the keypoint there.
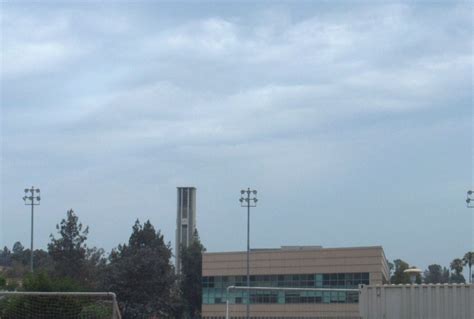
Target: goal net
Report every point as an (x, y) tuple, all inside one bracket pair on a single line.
[(58, 305)]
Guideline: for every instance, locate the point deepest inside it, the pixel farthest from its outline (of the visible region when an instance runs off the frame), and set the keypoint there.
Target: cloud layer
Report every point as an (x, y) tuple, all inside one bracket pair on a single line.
[(355, 125)]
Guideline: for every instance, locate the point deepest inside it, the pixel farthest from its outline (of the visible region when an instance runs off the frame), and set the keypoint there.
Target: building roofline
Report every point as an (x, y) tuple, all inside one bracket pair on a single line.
[(293, 249)]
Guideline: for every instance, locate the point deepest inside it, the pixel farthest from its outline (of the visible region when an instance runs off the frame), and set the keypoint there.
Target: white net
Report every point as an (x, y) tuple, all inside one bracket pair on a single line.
[(58, 305)]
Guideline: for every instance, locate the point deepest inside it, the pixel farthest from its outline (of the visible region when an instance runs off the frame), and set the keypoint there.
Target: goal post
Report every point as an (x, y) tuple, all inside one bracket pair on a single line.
[(58, 305)]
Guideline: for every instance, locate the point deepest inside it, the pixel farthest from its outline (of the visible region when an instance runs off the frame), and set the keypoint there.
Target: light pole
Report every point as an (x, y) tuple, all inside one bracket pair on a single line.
[(32, 200), (469, 199), (248, 201)]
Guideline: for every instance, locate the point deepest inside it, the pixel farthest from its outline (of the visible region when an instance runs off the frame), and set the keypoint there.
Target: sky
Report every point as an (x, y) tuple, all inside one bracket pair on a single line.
[(353, 120)]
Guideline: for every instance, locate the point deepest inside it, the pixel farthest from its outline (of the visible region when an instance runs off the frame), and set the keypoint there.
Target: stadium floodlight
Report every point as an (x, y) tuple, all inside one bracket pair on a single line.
[(32, 201), (248, 203)]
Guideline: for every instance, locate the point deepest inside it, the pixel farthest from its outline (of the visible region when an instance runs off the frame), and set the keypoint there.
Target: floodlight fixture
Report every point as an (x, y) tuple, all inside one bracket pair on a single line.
[(247, 202), (32, 200)]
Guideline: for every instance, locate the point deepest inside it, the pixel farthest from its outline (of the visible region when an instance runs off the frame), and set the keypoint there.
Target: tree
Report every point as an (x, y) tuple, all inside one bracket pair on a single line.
[(141, 274), (68, 252), (191, 277), (54, 307), (42, 261), (399, 276), (19, 254), (95, 264), (391, 267), (435, 274), (457, 268), (5, 257), (3, 282), (19, 260), (468, 260)]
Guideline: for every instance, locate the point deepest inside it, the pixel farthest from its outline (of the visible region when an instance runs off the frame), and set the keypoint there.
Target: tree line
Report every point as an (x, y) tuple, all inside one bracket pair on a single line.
[(435, 273), (140, 272)]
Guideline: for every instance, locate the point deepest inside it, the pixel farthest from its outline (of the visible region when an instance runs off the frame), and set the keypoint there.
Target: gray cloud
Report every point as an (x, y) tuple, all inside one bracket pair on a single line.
[(348, 119)]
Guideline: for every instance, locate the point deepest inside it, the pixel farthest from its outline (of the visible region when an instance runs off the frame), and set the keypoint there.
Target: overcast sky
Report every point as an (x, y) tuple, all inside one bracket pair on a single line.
[(353, 121)]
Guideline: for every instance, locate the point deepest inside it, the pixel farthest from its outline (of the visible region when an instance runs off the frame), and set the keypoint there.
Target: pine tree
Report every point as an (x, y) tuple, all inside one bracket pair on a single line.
[(191, 277), (68, 252), (141, 274)]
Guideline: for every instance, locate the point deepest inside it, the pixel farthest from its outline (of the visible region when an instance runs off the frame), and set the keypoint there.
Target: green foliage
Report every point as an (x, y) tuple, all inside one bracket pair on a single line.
[(5, 257), (141, 274), (68, 252), (399, 277), (42, 282), (468, 260), (20, 256), (191, 277), (457, 268), (435, 274), (56, 307), (3, 282)]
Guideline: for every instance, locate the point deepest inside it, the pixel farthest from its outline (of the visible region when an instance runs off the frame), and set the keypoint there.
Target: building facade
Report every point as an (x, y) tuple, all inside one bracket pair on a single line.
[(185, 220), (291, 266)]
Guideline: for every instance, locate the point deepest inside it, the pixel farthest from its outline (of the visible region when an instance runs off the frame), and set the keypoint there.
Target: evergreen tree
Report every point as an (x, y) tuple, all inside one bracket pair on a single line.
[(141, 274), (399, 276), (5, 257), (191, 277), (68, 252), (435, 274), (19, 254)]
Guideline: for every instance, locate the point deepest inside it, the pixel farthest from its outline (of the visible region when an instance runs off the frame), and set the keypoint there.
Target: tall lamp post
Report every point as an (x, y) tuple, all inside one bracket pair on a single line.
[(248, 199), (469, 202), (32, 198)]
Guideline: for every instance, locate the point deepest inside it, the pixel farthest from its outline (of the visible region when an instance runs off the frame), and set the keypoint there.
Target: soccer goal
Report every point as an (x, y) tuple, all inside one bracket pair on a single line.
[(58, 305)]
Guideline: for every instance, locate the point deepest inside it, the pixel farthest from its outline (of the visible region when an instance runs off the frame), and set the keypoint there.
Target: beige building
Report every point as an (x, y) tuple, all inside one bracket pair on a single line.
[(291, 266)]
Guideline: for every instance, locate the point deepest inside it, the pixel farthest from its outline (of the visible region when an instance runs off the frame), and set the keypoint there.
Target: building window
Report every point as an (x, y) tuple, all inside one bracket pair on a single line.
[(215, 287)]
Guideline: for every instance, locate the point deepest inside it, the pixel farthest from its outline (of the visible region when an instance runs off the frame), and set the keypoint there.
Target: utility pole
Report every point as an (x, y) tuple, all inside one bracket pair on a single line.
[(248, 202), (32, 200)]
